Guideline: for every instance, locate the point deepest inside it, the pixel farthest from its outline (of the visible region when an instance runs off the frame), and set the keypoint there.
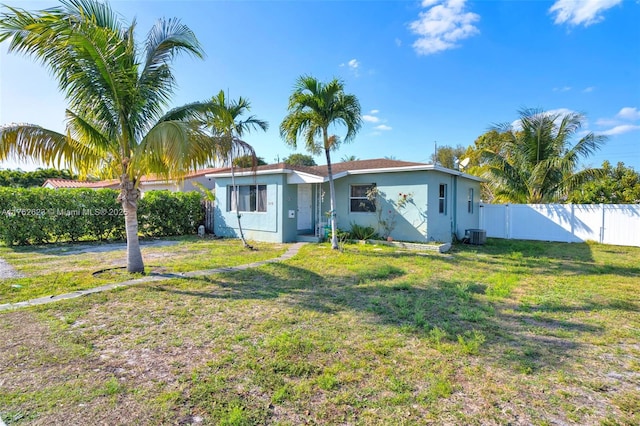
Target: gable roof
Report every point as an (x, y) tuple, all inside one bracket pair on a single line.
[(319, 174)]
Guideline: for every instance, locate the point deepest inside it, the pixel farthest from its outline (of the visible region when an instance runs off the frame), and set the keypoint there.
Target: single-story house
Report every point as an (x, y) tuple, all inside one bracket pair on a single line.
[(150, 183), (409, 201)]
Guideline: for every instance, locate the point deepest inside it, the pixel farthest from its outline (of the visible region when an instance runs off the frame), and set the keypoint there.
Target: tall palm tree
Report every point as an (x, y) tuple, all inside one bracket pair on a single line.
[(116, 92), (313, 108), (225, 122), (535, 161)]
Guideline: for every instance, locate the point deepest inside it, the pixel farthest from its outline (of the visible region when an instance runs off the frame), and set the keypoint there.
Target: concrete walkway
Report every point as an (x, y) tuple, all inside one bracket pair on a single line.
[(291, 251), (7, 271)]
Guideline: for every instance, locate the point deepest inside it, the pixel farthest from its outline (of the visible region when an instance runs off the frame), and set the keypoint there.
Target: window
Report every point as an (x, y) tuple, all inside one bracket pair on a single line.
[(442, 199), (251, 198), (358, 198), (470, 201)]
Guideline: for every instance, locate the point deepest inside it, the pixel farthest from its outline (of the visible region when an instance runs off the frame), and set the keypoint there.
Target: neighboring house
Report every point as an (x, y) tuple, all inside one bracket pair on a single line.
[(146, 183), (284, 203)]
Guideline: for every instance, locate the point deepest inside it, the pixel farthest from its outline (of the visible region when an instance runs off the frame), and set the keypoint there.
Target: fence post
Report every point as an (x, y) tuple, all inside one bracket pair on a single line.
[(602, 227), (573, 220), (507, 219)]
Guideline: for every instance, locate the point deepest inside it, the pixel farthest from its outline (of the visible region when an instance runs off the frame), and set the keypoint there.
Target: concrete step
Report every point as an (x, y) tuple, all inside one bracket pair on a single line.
[(307, 239)]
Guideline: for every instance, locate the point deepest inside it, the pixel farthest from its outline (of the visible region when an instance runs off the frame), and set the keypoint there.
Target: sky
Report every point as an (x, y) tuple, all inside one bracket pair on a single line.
[(426, 73)]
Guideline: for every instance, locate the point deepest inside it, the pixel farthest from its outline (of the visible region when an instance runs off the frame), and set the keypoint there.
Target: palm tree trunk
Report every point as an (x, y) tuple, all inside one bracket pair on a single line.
[(128, 198), (233, 185), (332, 197)]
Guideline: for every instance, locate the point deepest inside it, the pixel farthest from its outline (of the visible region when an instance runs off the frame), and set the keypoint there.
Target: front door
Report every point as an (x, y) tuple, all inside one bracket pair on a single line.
[(304, 206)]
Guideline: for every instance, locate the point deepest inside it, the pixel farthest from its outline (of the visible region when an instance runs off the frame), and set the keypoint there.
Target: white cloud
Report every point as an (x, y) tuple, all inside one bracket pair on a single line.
[(562, 89), (442, 25), (628, 113), (353, 66), (607, 122), (621, 123), (581, 12), (588, 89), (374, 111), (618, 130), (370, 118), (383, 127)]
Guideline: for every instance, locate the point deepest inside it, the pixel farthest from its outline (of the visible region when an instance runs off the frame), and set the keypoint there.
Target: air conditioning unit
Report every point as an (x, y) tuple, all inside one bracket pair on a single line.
[(476, 236)]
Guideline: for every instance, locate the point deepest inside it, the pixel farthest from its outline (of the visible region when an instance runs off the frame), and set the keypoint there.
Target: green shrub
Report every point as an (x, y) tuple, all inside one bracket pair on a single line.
[(162, 213), (41, 215), (360, 232)]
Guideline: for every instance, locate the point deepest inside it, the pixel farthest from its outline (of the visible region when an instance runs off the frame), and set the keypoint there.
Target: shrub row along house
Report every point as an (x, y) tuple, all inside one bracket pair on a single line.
[(405, 200)]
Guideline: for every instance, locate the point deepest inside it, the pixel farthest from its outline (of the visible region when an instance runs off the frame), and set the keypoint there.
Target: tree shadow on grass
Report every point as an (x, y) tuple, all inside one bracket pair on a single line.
[(453, 310)]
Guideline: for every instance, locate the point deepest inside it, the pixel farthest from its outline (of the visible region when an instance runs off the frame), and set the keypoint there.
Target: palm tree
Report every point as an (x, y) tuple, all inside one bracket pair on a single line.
[(536, 162), (313, 108), (115, 121), (348, 158), (224, 120)]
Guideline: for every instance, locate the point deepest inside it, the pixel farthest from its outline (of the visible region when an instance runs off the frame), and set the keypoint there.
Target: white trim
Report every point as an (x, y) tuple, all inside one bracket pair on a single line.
[(296, 177), (426, 167), (305, 177), (257, 172)]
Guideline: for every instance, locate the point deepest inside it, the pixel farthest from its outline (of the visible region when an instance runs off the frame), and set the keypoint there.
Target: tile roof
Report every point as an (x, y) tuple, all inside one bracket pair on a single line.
[(68, 183), (113, 183), (379, 163)]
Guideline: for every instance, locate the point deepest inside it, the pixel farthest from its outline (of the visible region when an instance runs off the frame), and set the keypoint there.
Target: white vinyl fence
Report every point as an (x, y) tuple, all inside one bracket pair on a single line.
[(617, 224)]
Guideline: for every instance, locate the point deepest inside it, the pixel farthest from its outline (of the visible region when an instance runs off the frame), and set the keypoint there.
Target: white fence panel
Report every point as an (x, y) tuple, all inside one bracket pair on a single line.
[(546, 222), (493, 219), (588, 222), (621, 225), (617, 224)]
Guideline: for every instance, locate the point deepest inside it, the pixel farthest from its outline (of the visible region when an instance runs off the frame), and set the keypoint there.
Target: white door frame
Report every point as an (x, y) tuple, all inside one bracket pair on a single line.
[(305, 206)]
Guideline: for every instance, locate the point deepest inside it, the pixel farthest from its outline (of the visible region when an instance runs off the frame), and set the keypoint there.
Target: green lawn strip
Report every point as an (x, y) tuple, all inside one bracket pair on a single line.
[(49, 272), (367, 335)]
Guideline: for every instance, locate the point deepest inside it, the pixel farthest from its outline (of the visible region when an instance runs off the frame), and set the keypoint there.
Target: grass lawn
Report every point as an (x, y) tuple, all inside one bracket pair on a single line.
[(507, 333), (62, 268)]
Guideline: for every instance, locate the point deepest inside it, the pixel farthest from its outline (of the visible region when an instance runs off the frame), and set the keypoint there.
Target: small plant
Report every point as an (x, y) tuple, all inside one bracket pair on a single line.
[(470, 343), (360, 232)]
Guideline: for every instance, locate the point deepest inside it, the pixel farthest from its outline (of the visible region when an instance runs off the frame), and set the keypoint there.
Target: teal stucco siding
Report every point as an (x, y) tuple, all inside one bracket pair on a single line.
[(259, 226), (420, 220), (440, 204)]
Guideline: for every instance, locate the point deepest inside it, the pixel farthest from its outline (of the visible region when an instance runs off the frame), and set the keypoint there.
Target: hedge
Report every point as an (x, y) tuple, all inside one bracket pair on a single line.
[(41, 215)]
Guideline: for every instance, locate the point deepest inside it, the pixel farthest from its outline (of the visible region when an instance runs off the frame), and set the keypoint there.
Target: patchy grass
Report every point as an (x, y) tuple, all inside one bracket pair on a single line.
[(56, 269), (507, 333)]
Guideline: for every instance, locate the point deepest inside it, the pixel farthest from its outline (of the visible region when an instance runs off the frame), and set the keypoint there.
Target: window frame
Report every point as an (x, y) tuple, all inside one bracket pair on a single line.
[(470, 201), (361, 199), (253, 197), (442, 199)]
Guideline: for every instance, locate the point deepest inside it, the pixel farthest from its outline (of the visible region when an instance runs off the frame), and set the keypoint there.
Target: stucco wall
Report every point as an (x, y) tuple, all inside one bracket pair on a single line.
[(259, 226), (465, 219), (420, 219)]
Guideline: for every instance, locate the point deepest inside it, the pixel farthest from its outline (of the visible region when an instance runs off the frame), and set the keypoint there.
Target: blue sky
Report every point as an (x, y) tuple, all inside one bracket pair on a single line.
[(425, 72)]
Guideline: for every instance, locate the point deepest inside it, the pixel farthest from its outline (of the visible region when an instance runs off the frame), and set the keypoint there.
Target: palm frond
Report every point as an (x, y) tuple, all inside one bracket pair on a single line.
[(28, 141)]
